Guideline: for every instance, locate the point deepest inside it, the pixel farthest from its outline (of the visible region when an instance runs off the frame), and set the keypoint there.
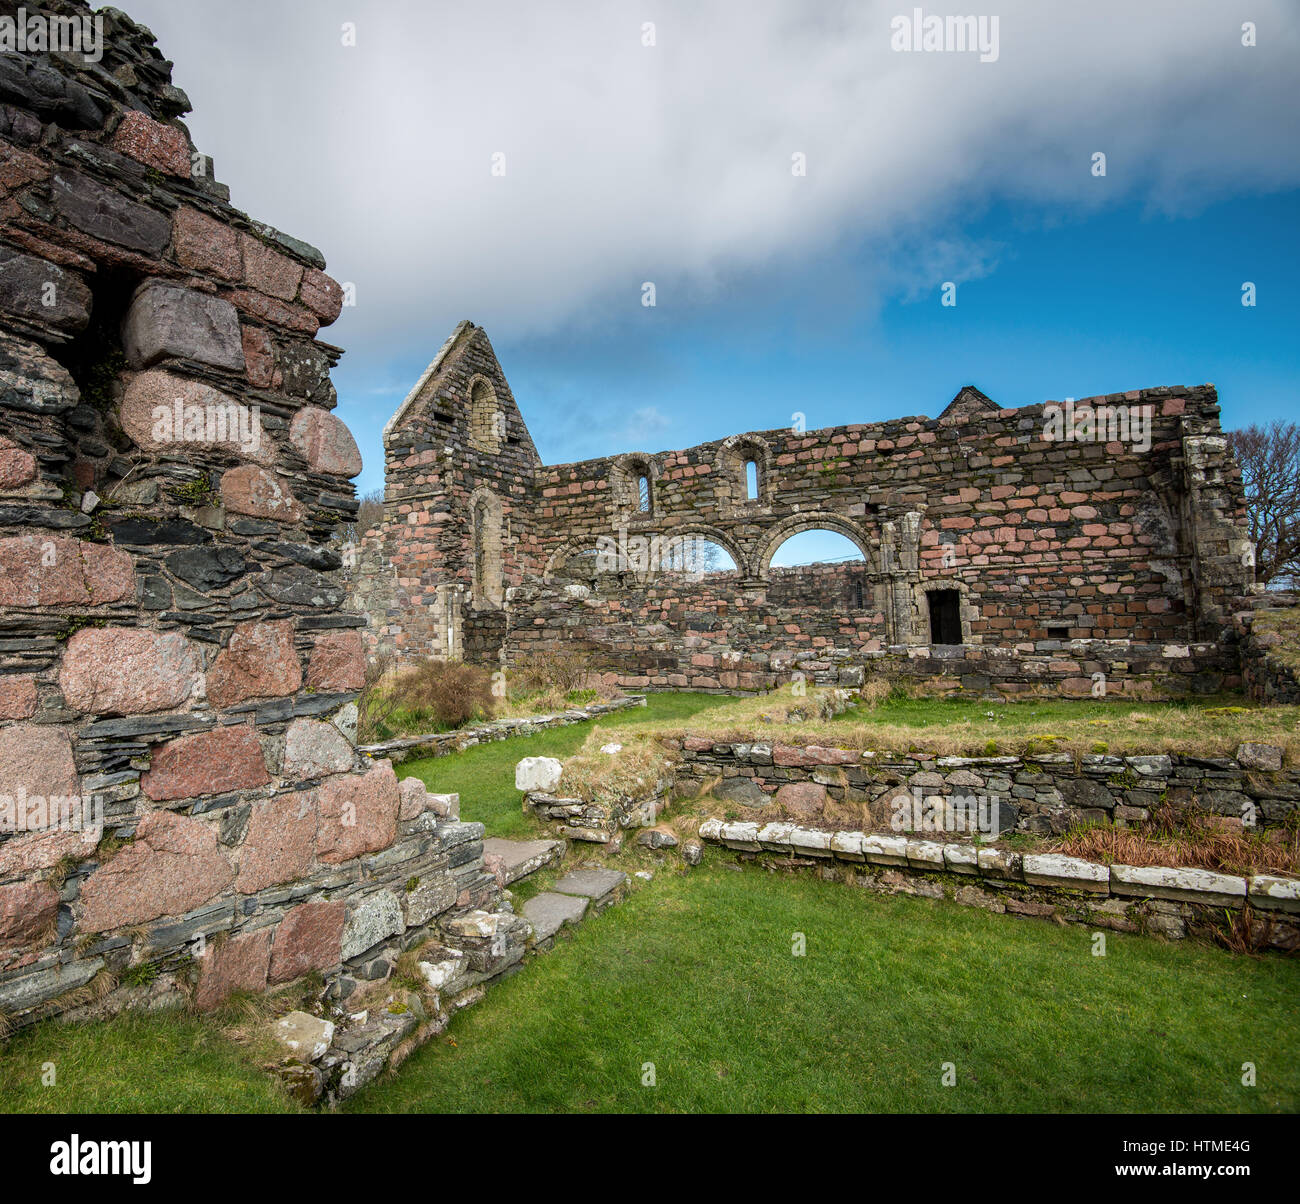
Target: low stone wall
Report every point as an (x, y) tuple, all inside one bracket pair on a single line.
[(439, 744), (332, 881), (1171, 902), (600, 822), (729, 643), (1042, 794)]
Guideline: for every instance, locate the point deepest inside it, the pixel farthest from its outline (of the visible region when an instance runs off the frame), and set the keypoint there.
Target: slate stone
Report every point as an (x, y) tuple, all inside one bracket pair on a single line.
[(301, 586), (1086, 792), (594, 884), (313, 557), (143, 533), (42, 292), (107, 214), (206, 568), (741, 790), (35, 86), (155, 593)]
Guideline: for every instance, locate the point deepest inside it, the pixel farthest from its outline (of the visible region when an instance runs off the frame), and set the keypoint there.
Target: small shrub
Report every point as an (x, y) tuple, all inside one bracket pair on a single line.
[(452, 693), (375, 704), (561, 672)]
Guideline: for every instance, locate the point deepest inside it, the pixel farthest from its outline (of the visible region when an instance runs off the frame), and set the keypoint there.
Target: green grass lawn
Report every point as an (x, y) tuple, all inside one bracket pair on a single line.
[(695, 974), (484, 776), (134, 1063)]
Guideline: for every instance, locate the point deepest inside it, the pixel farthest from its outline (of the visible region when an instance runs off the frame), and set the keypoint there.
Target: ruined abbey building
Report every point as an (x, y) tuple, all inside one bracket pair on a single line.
[(1005, 551)]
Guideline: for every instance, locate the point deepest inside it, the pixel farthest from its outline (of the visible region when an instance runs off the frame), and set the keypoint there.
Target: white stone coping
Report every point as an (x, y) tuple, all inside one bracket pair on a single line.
[(1186, 883)]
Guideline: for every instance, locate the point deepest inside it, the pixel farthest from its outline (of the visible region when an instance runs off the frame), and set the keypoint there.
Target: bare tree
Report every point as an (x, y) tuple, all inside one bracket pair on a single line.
[(371, 511), (1270, 467)]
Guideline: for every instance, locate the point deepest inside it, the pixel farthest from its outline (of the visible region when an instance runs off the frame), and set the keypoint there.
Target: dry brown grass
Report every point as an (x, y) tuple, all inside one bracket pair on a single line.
[(1188, 836), (1243, 931), (632, 772), (1199, 731)]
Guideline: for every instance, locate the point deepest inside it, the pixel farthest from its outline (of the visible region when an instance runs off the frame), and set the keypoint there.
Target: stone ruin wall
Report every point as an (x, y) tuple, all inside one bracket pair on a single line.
[(183, 807), (1071, 559)]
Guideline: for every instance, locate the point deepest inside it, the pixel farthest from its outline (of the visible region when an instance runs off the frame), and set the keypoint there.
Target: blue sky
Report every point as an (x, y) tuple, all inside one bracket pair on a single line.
[(1121, 299), (671, 162)]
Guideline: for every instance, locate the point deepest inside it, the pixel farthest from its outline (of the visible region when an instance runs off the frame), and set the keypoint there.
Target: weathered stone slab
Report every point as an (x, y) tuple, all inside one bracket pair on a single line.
[(371, 920), (598, 885), (433, 894), (237, 964), (128, 670), (42, 293), (226, 758), (538, 774), (41, 788), (310, 937), (1269, 891), (358, 813), (1184, 882), (1055, 869), (313, 749), (49, 570), (305, 1036), (804, 799), (1267, 757), (548, 912), (105, 213), (337, 663), (280, 845), (248, 489), (166, 321), (885, 850), (325, 442), (173, 866), (517, 859)]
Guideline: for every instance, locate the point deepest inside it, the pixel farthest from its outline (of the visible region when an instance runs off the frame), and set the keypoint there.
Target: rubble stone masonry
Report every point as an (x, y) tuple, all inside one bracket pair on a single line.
[(1068, 559), (181, 803)]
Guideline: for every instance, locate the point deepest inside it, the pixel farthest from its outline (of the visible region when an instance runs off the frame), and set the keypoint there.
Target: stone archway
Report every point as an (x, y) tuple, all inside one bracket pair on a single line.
[(813, 520)]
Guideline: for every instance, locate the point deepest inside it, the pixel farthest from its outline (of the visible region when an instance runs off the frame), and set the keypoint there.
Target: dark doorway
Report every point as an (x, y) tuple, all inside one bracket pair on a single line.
[(945, 616)]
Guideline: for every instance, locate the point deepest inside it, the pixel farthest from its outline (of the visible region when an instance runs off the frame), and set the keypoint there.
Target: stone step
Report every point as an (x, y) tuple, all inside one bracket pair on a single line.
[(600, 886), (549, 912), (510, 860)]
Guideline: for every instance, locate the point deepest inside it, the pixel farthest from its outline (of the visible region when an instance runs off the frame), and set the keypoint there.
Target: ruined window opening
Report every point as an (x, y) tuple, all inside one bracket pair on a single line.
[(751, 480), (486, 422), (643, 493), (486, 584), (1058, 633), (945, 616)]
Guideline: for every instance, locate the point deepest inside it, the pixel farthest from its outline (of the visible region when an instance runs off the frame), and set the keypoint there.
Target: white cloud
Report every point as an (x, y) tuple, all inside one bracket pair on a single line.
[(672, 163)]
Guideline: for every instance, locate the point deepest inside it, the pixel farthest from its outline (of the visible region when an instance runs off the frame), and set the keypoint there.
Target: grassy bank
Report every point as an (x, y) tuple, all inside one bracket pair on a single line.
[(484, 775), (165, 1062), (695, 974)]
